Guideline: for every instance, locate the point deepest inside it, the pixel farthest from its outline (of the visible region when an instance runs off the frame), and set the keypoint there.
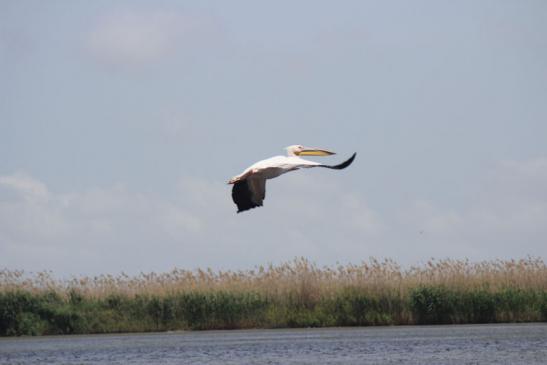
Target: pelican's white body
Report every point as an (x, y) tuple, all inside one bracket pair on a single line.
[(257, 174), (276, 166)]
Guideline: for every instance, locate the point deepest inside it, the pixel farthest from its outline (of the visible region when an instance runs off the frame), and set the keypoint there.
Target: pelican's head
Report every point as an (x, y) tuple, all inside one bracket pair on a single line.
[(299, 150)]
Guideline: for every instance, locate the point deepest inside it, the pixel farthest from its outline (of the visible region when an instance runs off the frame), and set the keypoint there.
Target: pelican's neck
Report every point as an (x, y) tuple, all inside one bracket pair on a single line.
[(290, 152)]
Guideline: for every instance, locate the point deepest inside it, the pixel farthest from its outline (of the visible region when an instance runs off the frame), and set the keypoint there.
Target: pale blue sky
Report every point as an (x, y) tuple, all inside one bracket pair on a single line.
[(120, 123)]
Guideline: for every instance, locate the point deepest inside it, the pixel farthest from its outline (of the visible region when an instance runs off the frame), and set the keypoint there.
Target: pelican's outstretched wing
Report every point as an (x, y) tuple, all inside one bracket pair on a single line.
[(249, 193)]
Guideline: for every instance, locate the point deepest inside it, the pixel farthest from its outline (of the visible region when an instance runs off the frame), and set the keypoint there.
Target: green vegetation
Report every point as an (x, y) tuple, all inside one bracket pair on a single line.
[(296, 294)]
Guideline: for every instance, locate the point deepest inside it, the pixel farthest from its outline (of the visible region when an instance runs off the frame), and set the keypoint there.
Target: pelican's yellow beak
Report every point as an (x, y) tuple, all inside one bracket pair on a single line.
[(314, 152)]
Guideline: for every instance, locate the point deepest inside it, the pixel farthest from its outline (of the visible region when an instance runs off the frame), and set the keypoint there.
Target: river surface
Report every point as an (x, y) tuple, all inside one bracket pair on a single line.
[(458, 344)]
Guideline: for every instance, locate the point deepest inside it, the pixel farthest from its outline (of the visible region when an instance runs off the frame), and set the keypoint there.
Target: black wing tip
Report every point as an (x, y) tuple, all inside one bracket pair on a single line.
[(352, 157), (344, 164), (244, 208), (247, 208)]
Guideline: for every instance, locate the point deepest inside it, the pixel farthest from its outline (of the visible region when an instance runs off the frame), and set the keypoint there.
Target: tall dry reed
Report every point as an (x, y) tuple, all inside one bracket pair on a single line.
[(296, 293), (297, 276)]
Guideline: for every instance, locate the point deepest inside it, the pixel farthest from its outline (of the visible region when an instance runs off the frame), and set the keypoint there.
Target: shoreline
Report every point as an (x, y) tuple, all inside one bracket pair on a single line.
[(273, 330)]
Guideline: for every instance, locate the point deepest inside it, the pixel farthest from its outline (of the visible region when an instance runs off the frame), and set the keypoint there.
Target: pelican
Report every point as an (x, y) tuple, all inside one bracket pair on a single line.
[(249, 190)]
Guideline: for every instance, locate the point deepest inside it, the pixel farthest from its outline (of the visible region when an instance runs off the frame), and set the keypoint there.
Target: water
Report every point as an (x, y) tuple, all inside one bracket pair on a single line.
[(470, 344)]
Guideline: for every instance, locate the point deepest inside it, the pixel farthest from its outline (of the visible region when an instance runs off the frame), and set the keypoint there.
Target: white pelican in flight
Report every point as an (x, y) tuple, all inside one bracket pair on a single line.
[(249, 188)]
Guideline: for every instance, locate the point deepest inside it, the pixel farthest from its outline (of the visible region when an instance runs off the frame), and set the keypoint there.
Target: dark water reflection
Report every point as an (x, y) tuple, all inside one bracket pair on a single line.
[(473, 344)]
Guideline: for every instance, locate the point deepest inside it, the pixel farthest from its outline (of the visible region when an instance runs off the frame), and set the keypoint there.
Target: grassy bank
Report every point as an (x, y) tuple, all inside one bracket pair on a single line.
[(296, 294)]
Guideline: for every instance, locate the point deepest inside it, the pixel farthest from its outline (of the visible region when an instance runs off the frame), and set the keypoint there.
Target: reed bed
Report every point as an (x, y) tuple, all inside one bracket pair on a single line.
[(293, 294)]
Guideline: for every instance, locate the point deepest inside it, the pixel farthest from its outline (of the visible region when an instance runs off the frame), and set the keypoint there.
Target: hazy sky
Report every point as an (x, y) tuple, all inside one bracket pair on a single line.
[(120, 123)]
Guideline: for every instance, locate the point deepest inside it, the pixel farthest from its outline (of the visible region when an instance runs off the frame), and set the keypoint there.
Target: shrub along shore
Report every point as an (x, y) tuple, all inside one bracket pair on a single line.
[(295, 294)]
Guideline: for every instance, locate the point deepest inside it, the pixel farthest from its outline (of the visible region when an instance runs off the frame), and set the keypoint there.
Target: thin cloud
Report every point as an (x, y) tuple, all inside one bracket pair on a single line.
[(137, 39), (505, 217), (112, 229), (111, 221), (30, 189)]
